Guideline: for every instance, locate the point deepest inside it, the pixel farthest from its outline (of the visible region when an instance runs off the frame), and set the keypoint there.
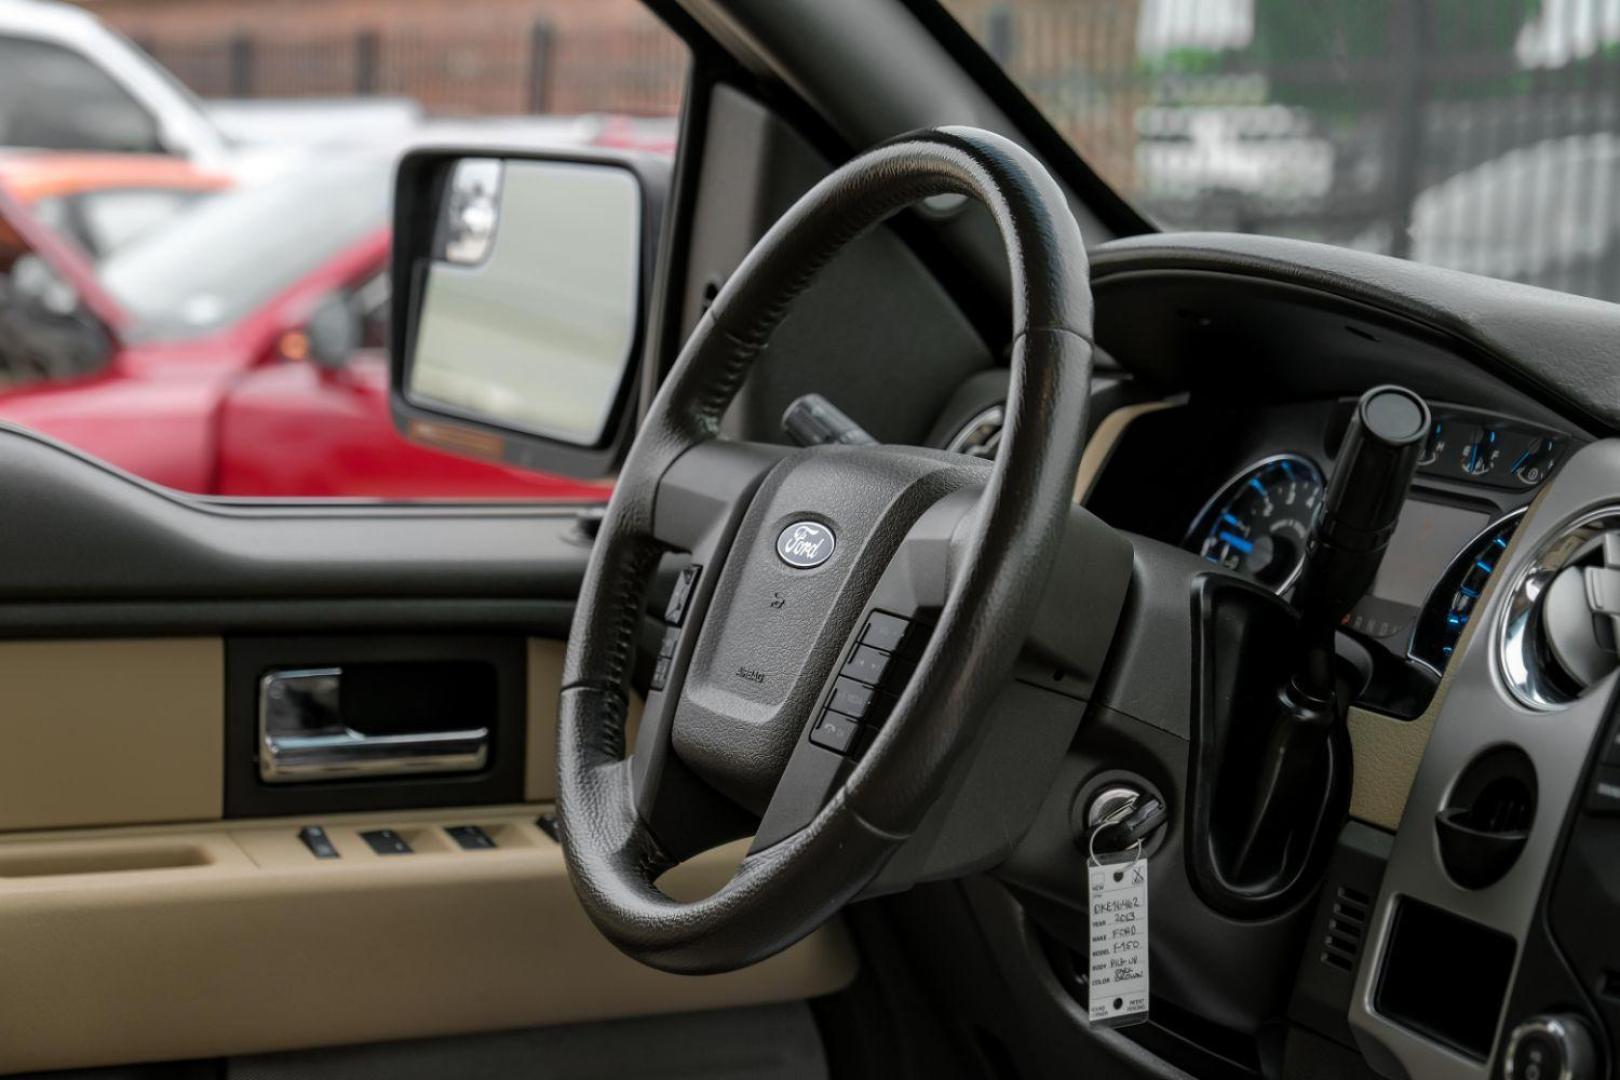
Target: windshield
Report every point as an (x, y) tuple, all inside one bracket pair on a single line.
[(1474, 134), (222, 260)]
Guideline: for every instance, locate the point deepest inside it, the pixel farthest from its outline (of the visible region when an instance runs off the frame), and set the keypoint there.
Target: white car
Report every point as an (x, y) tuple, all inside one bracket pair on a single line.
[(68, 82)]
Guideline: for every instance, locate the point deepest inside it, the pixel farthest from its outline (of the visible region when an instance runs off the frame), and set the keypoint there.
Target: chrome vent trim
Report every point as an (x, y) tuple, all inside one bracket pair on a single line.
[(1521, 653)]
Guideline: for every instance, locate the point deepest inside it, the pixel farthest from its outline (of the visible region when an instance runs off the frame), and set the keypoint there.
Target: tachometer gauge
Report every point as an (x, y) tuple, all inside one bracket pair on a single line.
[(1258, 523)]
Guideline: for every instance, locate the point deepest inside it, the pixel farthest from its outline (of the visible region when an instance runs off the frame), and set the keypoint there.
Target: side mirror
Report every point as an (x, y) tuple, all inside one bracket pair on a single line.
[(333, 332), (519, 307)]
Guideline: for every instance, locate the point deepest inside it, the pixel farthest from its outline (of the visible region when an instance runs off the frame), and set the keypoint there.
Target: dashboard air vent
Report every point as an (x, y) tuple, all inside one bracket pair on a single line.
[(1342, 944), (980, 437), (1560, 627)]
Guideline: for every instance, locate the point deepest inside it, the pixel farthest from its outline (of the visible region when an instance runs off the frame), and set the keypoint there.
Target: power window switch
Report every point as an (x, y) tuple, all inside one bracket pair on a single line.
[(386, 842), (470, 837), (319, 844)]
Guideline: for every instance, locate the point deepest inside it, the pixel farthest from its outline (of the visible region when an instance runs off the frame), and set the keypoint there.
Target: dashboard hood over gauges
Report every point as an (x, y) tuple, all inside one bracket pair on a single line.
[(1288, 304)]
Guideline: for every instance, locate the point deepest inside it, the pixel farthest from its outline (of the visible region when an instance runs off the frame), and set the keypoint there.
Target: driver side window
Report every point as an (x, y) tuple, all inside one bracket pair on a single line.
[(244, 333)]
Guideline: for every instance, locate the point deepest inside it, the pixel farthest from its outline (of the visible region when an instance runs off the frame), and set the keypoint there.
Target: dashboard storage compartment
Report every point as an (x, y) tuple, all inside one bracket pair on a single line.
[(1444, 977)]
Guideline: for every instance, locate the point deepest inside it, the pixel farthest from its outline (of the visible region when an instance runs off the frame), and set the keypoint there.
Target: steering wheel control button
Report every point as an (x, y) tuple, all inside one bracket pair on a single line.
[(666, 658), (885, 631), (666, 647), (319, 844), (866, 665), (834, 732), (470, 838), (386, 842), (805, 545), (681, 597), (850, 698)]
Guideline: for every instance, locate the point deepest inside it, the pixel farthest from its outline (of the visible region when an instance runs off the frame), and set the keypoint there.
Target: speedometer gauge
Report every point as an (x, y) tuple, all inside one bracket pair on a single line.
[(1258, 523)]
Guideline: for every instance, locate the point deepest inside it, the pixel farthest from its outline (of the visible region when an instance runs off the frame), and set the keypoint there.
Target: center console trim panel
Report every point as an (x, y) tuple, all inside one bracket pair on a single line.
[(1479, 713)]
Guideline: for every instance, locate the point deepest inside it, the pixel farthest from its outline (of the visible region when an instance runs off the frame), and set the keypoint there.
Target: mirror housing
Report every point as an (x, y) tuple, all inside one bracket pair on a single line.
[(333, 332), (520, 302)]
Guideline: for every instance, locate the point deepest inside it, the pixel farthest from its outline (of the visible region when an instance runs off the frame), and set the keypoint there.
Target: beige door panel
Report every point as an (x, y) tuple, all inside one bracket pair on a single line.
[(125, 939), (195, 941), (111, 732)]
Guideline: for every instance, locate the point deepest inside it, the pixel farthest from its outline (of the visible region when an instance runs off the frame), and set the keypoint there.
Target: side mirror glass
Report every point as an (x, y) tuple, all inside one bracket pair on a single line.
[(518, 333), (333, 332)]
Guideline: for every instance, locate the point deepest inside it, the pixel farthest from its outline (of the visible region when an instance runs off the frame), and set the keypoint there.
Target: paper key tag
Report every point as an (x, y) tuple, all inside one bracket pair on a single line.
[(1119, 939)]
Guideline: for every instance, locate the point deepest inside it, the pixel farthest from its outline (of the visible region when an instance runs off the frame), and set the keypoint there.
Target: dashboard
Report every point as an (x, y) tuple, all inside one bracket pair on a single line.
[(1459, 917), (1240, 487)]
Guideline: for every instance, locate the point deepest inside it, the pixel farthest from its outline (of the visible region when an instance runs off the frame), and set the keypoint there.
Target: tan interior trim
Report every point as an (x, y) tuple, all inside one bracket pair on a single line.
[(186, 941), (1105, 440), (545, 683), (1388, 751), (111, 732)]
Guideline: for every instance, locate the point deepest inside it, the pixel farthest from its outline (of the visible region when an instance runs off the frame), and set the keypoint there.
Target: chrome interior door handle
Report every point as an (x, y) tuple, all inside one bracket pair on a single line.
[(302, 736)]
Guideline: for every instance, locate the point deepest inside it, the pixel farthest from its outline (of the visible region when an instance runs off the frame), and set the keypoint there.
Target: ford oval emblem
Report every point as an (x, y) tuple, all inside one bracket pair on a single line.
[(805, 544)]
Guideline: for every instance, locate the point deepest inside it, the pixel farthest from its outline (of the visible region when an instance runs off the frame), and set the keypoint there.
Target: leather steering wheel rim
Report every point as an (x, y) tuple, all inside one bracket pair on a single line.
[(782, 893)]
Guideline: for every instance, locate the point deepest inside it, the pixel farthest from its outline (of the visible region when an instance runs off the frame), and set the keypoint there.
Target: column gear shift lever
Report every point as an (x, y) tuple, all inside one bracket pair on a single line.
[(1376, 461)]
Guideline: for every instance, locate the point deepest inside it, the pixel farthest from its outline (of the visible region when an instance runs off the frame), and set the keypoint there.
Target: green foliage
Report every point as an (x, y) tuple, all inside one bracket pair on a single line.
[(1339, 56), (1187, 60)]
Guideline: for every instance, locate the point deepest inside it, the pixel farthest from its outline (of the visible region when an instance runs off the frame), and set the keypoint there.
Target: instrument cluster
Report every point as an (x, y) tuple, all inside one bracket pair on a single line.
[(1477, 474)]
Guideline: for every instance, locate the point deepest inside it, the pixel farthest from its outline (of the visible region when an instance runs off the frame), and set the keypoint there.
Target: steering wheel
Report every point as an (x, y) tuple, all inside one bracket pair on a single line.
[(772, 619)]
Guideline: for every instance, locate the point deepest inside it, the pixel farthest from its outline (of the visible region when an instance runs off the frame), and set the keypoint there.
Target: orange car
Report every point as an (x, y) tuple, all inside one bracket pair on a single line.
[(104, 200)]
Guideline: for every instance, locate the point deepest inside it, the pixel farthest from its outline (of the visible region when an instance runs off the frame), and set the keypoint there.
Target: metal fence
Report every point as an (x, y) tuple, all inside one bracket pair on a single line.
[(1419, 128), (1434, 129), (480, 69)]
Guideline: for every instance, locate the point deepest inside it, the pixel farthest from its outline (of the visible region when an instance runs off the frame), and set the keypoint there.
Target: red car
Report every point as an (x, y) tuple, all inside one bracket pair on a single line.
[(244, 348)]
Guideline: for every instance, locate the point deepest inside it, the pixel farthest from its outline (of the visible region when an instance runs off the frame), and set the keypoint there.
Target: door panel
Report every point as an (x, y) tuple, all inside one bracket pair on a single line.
[(95, 535), (147, 913), (110, 732), (197, 941)]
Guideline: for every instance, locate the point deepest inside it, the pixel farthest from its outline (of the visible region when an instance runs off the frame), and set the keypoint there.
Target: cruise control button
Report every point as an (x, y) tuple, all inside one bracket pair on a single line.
[(866, 665), (681, 598), (834, 732), (850, 698)]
